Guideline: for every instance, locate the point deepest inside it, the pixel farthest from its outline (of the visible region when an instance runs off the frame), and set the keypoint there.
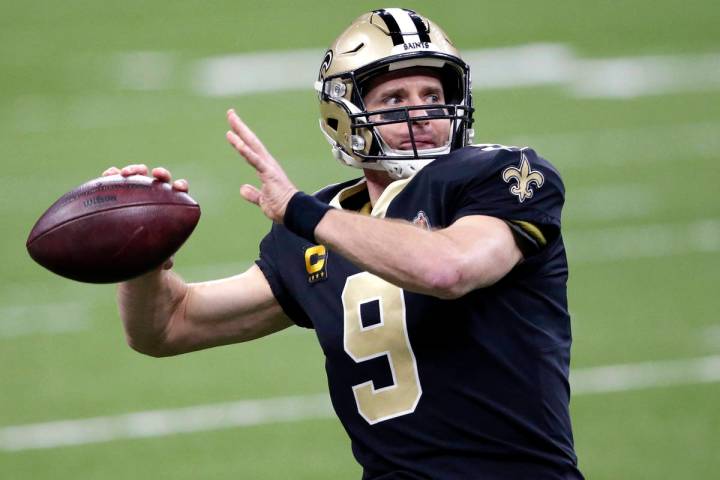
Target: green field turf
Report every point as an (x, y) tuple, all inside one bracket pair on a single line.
[(642, 225)]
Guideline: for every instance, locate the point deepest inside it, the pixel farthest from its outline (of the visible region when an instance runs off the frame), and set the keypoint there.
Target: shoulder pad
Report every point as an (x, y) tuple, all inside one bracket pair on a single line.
[(511, 183)]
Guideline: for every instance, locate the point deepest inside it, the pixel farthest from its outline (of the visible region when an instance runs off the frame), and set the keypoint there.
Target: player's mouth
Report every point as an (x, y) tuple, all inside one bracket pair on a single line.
[(421, 143)]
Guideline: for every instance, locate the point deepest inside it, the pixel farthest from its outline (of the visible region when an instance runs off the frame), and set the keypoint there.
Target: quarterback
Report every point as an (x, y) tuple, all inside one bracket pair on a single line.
[(435, 282)]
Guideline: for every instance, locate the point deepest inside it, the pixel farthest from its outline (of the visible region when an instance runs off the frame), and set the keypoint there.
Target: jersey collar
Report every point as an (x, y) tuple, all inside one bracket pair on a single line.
[(382, 204)]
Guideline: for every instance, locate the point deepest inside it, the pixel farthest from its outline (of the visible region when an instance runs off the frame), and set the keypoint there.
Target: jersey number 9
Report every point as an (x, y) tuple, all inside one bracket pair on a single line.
[(389, 337)]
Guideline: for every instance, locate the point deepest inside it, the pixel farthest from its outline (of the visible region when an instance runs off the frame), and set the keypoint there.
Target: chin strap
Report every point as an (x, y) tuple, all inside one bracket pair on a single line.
[(399, 169)]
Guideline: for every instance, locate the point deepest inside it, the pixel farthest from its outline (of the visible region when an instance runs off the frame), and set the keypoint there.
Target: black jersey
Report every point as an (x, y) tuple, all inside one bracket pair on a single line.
[(471, 388)]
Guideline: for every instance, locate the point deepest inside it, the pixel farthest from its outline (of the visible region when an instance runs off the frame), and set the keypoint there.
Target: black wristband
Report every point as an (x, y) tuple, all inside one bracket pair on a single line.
[(303, 213)]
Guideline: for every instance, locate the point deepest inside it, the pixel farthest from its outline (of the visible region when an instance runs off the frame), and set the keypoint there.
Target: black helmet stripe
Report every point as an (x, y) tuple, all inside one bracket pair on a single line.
[(412, 25), (421, 27), (392, 26)]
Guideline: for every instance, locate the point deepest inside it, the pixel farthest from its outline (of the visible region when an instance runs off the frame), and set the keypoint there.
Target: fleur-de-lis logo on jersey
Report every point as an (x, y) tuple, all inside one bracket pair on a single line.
[(525, 177)]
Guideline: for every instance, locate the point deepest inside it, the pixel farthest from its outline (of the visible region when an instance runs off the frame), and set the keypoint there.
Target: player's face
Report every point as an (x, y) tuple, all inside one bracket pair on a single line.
[(407, 89)]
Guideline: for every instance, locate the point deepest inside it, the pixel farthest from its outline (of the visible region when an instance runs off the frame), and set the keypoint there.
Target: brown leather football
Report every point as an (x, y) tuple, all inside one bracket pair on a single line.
[(112, 229)]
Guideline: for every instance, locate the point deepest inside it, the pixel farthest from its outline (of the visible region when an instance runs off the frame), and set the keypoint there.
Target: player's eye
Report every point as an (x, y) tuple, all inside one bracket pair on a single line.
[(392, 100)]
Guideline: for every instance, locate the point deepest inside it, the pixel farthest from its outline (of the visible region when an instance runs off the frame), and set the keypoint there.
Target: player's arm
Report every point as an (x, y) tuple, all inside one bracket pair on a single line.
[(162, 315), (474, 252)]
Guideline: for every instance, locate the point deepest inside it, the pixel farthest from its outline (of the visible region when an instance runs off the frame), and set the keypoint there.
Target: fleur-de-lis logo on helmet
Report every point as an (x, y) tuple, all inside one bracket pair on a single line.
[(524, 176)]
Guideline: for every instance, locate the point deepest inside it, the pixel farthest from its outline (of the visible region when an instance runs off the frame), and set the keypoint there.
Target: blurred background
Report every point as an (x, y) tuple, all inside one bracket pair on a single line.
[(624, 97)]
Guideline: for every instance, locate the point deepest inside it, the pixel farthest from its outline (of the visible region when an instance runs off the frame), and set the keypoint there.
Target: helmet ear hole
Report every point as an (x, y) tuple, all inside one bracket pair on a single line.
[(332, 123)]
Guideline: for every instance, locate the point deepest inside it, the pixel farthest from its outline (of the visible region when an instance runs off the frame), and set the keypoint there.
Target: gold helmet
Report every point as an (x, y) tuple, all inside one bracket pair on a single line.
[(375, 43)]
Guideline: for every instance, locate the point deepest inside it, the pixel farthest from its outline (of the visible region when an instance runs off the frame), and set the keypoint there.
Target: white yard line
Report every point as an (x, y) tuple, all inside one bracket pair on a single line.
[(628, 146), (643, 241), (632, 77), (530, 65), (145, 70), (157, 423), (256, 72), (621, 378), (49, 318), (611, 202)]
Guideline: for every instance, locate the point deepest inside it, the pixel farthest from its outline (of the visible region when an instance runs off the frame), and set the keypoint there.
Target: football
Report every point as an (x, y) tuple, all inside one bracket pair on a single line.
[(112, 229)]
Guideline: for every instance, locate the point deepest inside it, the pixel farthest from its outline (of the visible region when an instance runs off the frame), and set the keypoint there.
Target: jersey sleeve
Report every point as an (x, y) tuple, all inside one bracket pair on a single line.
[(268, 264), (517, 186)]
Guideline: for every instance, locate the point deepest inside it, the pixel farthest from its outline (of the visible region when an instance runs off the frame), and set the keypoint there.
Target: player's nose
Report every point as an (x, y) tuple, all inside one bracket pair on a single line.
[(418, 100), (419, 117), (414, 113)]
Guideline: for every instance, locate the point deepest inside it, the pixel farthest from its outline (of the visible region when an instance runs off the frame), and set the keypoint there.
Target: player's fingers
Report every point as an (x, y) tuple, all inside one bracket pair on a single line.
[(181, 185), (162, 174), (246, 151), (239, 128), (250, 193), (138, 169), (111, 171), (247, 135)]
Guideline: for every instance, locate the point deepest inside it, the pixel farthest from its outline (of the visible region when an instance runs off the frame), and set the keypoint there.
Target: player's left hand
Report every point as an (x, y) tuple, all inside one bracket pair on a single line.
[(276, 188)]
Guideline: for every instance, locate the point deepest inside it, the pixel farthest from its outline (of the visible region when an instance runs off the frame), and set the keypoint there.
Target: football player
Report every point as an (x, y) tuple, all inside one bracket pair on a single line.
[(435, 283)]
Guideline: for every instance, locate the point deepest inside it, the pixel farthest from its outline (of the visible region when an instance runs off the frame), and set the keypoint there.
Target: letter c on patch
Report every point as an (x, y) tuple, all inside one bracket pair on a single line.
[(315, 259)]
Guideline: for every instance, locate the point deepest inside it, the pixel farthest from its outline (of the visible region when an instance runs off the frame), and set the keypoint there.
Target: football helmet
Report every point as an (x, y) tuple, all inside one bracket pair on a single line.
[(375, 43)]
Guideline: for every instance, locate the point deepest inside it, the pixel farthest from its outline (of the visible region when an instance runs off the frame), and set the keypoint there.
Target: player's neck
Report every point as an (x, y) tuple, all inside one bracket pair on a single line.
[(377, 181)]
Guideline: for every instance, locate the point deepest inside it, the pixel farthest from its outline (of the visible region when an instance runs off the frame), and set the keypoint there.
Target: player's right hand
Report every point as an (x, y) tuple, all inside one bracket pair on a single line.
[(159, 173)]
